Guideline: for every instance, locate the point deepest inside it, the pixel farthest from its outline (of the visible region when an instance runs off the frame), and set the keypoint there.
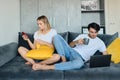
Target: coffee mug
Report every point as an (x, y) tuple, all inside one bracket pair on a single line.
[(86, 41)]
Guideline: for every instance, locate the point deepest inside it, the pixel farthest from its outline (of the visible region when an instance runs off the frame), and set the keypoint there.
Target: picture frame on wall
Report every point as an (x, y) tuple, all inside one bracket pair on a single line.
[(88, 5), (85, 30)]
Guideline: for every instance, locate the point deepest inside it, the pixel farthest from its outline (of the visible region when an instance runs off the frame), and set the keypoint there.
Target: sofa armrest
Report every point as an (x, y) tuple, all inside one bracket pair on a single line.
[(8, 52)]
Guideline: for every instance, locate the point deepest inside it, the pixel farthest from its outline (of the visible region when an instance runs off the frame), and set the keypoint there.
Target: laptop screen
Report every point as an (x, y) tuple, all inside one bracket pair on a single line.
[(100, 61)]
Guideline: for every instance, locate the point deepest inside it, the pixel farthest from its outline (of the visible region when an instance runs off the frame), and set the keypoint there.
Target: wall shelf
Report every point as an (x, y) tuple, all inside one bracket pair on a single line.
[(85, 30), (92, 11)]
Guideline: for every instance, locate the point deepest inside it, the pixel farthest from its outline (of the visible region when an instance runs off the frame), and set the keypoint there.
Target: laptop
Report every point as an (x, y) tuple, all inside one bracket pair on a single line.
[(100, 61)]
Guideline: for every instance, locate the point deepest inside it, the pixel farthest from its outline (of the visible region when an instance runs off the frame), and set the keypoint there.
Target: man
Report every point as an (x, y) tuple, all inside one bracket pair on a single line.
[(75, 55)]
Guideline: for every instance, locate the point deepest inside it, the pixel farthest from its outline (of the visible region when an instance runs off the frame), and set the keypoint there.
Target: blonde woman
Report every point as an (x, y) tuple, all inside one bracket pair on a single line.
[(42, 48)]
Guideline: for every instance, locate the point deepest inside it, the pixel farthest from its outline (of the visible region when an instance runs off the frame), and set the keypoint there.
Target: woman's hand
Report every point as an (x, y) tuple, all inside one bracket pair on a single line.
[(25, 37), (40, 41)]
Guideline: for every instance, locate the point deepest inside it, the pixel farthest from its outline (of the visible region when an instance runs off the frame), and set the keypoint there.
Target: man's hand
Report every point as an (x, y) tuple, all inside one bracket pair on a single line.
[(105, 53), (80, 41)]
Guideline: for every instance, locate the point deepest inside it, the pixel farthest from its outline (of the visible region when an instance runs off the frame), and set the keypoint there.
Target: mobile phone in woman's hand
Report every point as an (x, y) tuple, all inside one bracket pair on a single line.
[(24, 35)]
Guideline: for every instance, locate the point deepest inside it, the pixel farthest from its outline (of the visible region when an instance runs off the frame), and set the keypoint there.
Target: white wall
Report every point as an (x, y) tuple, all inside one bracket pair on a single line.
[(112, 8), (9, 21)]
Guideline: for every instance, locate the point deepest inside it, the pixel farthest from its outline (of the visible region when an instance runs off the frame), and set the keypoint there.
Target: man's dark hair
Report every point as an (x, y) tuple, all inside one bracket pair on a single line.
[(94, 26)]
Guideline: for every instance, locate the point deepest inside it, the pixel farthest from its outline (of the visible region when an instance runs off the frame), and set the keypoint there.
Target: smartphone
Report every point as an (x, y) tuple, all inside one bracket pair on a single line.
[(23, 33)]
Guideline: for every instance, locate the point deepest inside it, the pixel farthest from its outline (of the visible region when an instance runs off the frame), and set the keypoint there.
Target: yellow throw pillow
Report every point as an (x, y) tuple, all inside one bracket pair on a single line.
[(114, 50), (41, 53)]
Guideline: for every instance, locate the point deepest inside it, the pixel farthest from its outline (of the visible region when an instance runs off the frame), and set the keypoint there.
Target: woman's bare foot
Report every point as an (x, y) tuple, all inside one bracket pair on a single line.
[(37, 66), (42, 67), (28, 63), (42, 63)]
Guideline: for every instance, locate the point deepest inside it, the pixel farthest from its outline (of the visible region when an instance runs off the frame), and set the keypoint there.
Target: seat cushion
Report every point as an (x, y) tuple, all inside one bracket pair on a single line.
[(99, 73), (18, 70)]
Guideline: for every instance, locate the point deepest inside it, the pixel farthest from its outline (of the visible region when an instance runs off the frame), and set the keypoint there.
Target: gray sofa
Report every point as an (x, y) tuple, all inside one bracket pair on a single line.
[(12, 66)]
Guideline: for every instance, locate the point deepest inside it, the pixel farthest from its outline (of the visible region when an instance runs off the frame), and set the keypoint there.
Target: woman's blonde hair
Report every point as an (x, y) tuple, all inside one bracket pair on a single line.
[(45, 20)]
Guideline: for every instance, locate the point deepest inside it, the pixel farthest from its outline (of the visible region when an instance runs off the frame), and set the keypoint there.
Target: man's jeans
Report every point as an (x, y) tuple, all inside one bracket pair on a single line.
[(75, 61)]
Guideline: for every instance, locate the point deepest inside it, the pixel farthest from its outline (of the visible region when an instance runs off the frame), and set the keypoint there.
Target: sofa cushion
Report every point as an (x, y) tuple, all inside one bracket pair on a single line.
[(107, 39), (41, 53), (22, 42), (17, 70), (64, 35), (114, 49), (99, 73), (7, 52), (72, 36)]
